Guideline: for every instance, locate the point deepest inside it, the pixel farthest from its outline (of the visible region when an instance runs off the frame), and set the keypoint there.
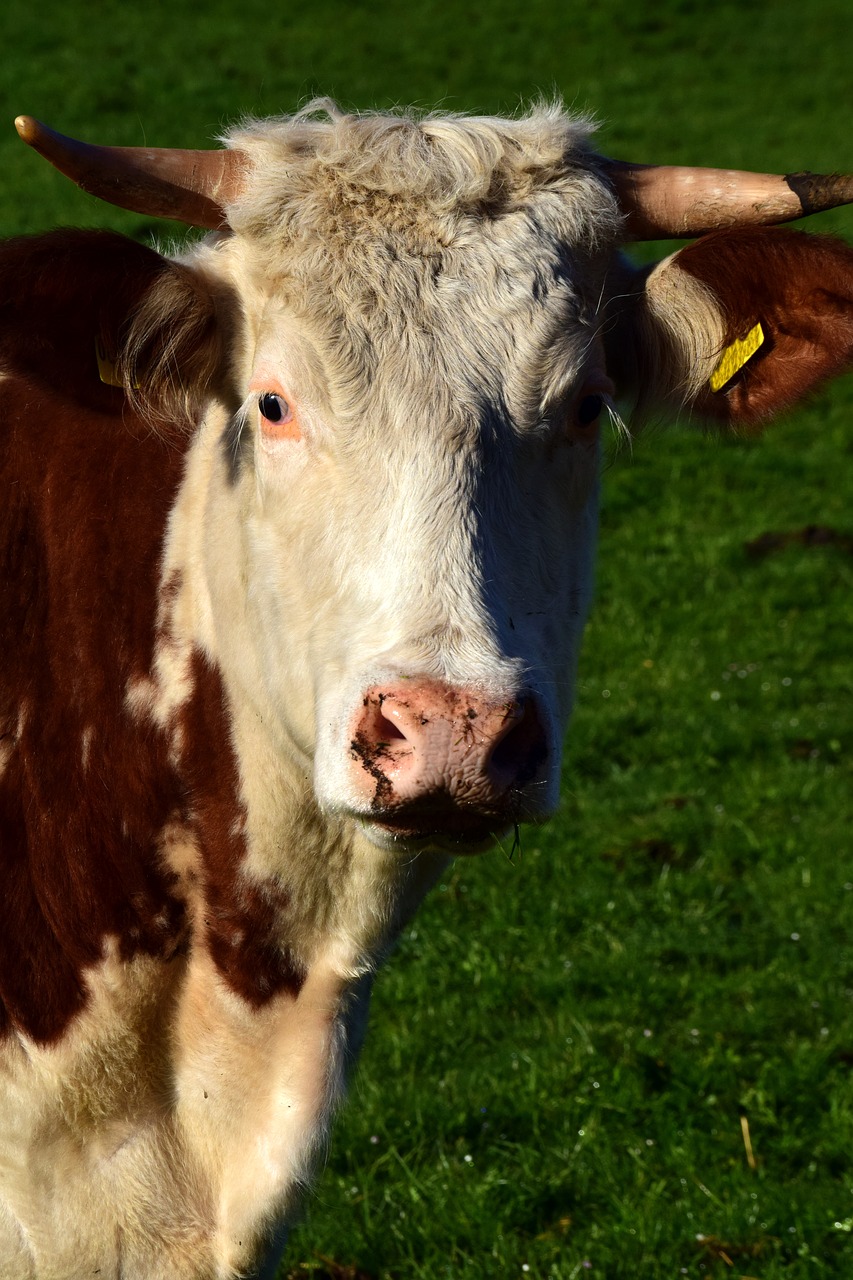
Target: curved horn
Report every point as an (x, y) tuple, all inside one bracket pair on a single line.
[(190, 186), (663, 201)]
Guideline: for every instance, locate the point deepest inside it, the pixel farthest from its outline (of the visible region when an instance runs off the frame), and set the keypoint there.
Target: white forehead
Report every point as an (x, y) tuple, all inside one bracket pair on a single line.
[(313, 173), (455, 251)]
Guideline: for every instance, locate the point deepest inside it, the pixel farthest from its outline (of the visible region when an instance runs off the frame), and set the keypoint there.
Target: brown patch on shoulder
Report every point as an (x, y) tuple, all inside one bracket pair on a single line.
[(88, 787), (87, 490), (84, 793), (243, 922)]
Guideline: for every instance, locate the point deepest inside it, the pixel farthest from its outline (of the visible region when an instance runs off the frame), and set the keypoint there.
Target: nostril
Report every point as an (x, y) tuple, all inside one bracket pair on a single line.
[(385, 725), (521, 751), (387, 730)]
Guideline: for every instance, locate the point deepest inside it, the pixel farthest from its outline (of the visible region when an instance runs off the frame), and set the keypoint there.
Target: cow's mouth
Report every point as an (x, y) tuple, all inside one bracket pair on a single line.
[(455, 831)]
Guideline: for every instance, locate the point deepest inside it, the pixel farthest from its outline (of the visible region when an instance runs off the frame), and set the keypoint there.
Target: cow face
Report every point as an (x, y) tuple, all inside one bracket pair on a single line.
[(416, 459)]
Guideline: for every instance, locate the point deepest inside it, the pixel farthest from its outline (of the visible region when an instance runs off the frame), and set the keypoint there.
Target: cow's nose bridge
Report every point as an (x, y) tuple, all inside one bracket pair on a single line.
[(414, 742)]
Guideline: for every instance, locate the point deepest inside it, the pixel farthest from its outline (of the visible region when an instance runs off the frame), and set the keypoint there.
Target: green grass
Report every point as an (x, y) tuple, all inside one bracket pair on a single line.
[(564, 1046), (588, 1021)]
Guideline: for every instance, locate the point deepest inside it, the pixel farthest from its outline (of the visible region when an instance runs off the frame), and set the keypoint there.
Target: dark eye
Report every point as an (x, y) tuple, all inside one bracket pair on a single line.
[(274, 408), (589, 410)]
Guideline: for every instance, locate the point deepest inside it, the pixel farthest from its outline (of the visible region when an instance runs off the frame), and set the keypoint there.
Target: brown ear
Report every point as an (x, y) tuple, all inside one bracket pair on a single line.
[(107, 323), (799, 288), (700, 304), (170, 356)]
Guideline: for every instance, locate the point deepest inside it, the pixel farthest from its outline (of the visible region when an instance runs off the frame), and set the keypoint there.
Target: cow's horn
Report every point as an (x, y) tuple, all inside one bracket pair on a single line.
[(662, 201), (189, 186)]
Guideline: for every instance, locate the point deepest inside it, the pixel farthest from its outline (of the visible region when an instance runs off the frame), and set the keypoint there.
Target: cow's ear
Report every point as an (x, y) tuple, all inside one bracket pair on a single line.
[(170, 356), (106, 322), (741, 324)]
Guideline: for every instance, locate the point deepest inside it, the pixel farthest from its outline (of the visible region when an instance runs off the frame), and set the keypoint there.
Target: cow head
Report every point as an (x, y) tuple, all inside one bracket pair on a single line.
[(415, 458), (401, 420)]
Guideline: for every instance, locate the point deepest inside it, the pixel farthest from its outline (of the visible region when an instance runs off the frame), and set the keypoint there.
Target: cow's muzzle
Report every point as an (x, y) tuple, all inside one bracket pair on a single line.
[(436, 764)]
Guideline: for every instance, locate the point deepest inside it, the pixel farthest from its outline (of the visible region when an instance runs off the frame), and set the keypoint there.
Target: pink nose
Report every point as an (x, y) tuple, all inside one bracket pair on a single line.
[(425, 753)]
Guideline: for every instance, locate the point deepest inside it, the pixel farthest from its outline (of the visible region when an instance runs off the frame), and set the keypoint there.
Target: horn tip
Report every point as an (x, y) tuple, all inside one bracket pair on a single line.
[(28, 129)]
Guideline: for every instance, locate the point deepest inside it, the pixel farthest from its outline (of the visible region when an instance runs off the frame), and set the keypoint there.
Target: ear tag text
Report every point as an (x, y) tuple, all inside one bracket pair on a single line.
[(735, 357)]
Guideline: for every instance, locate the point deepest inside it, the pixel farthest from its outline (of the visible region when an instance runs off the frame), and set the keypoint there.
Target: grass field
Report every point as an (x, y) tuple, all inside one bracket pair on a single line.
[(573, 1044)]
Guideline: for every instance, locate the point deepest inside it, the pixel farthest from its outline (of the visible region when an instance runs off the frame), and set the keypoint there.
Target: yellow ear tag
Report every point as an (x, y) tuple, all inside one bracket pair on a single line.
[(106, 367), (735, 357)]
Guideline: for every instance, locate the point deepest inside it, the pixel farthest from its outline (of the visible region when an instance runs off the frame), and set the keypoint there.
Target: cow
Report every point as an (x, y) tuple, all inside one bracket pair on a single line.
[(297, 540)]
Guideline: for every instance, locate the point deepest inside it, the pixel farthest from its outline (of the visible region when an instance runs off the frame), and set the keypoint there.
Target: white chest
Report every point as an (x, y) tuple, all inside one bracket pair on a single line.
[(170, 1129)]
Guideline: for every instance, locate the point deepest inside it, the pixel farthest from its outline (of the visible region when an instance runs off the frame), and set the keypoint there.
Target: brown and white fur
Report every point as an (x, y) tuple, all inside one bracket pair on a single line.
[(262, 678)]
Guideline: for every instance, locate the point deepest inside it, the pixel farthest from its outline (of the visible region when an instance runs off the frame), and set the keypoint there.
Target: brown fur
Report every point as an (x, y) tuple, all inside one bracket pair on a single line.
[(242, 923), (87, 788)]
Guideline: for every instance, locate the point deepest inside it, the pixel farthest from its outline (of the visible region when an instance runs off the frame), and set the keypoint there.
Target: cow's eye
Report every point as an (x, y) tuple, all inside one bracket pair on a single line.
[(278, 417), (589, 410), (274, 408)]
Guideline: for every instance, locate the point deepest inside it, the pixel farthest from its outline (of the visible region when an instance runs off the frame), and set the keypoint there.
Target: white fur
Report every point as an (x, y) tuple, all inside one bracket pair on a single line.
[(689, 330)]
